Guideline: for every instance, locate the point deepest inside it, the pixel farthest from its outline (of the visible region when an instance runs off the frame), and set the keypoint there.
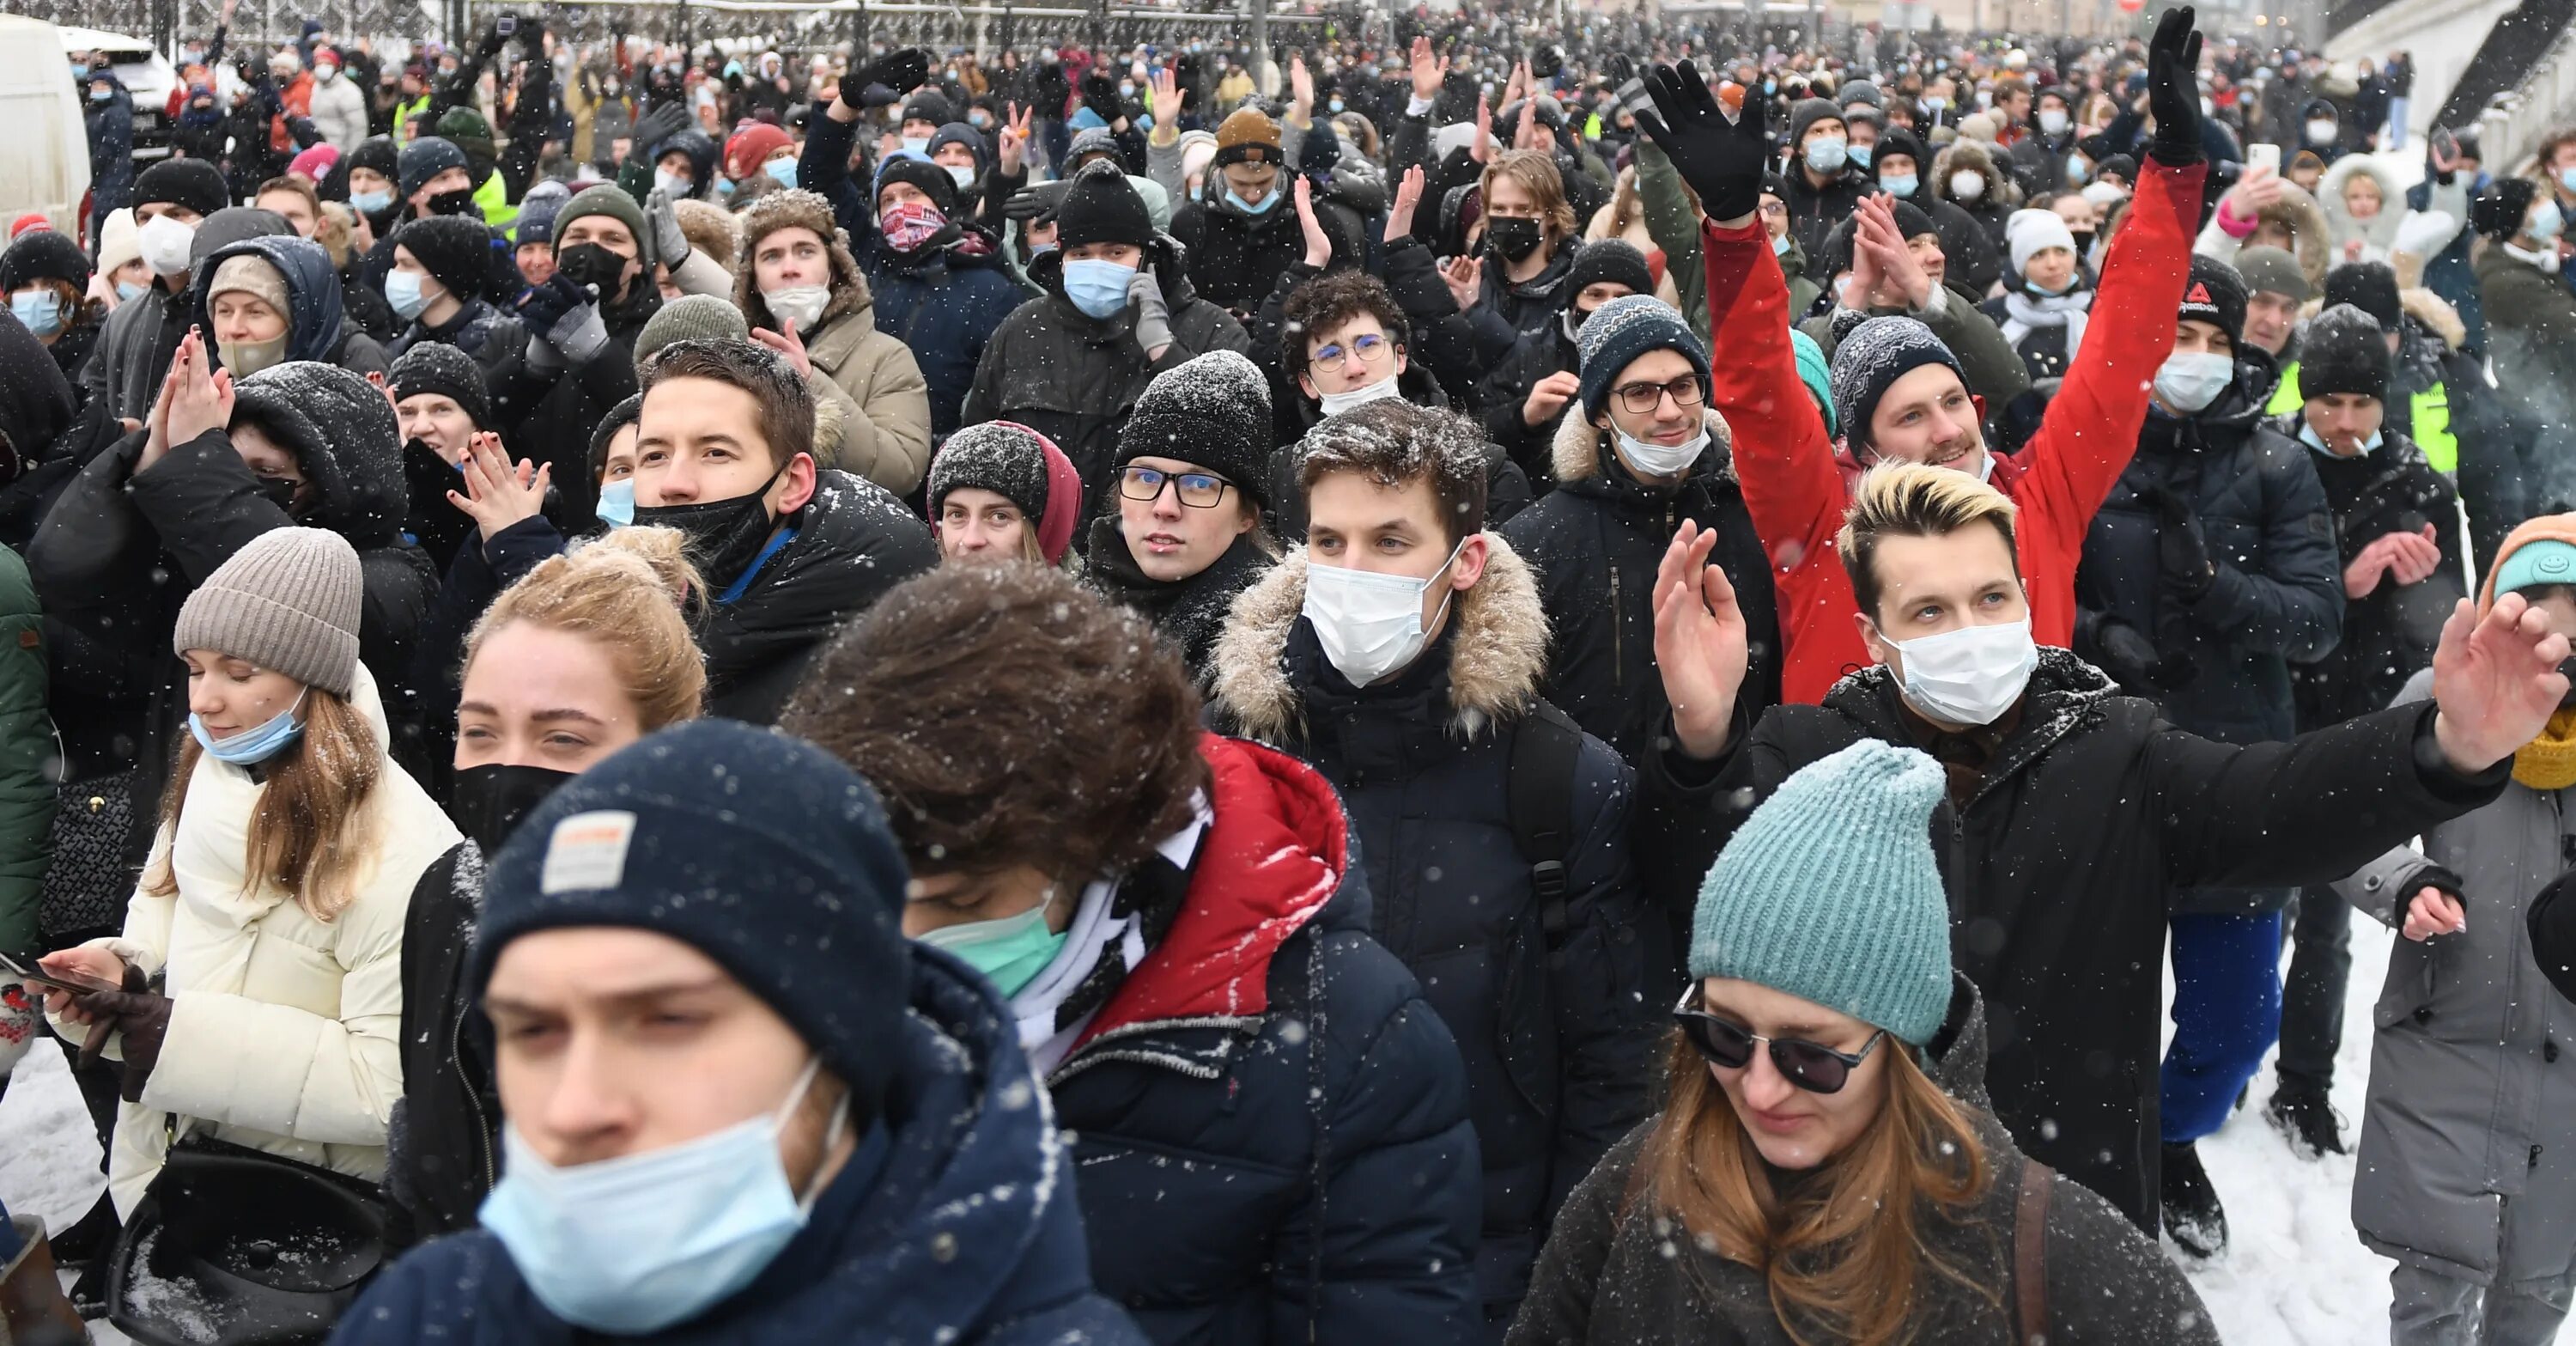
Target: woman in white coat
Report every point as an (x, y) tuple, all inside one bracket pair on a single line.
[(261, 960)]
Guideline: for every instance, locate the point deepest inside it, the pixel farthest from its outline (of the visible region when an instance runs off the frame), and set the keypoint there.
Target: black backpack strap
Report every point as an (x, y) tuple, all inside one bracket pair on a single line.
[(1546, 746)]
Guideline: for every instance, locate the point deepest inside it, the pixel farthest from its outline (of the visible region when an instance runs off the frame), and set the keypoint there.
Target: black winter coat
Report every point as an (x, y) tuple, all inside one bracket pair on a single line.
[(1815, 212), (1236, 258), (2391, 633), (1444, 340), (2059, 869), (1555, 1029), (443, 1154), (1549, 350), (1189, 614), (1506, 312), (110, 129), (546, 410)]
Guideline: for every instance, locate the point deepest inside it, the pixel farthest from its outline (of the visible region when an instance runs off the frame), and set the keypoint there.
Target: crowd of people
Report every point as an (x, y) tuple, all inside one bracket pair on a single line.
[(1523, 683)]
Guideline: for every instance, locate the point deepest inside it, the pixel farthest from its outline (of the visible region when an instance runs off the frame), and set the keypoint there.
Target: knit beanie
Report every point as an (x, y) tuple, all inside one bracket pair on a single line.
[(696, 317), (1248, 137), (2032, 232), (1829, 892), (917, 170), (377, 153), (798, 897), (1813, 372), (1872, 358), (44, 255), (1021, 466), (2498, 212), (1198, 152), (537, 211), (1094, 141), (929, 105), (751, 147), (434, 367), (2370, 287), (424, 159), (2269, 270), (1897, 142), (1102, 207), (1912, 221), (1805, 114), (120, 241), (314, 164), (959, 133), (1211, 411), (2344, 351), (607, 199), (465, 128), (1619, 332), (287, 602), (619, 417), (456, 250), (2535, 563), (1859, 91), (2215, 294), (193, 184), (1614, 260), (253, 275)]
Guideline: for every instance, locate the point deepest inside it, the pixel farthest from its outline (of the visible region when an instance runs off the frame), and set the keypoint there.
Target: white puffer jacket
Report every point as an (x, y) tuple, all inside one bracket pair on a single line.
[(285, 1031)]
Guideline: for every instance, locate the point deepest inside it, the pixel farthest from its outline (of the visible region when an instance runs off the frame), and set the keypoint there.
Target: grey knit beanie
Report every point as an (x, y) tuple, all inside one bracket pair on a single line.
[(696, 317), (287, 602)]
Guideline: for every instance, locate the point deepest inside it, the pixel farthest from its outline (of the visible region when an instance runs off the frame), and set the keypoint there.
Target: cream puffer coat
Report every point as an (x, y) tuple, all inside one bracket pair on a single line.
[(285, 1031)]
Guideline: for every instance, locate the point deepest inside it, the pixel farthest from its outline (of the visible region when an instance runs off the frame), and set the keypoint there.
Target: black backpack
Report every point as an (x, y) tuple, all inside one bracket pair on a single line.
[(1546, 746)]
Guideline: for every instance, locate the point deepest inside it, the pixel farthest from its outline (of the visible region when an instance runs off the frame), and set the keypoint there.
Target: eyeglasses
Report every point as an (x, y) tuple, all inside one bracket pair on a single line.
[(1813, 1067), (1642, 398), (1368, 350), (1198, 490)]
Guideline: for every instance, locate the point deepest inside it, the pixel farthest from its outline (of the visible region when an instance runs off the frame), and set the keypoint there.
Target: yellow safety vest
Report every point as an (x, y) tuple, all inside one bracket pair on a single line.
[(2428, 418), (493, 200)]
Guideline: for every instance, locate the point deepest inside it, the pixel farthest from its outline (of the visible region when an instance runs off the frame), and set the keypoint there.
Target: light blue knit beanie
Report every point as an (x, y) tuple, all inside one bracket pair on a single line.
[(1829, 892), (1816, 373)]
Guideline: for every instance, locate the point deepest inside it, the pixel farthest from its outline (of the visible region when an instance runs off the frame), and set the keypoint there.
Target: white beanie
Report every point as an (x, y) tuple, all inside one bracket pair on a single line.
[(2028, 233), (119, 241)]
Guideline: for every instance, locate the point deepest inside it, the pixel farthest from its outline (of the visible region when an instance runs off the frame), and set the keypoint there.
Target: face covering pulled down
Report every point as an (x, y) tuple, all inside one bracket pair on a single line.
[(1968, 676), (252, 746), (1371, 624), (725, 537), (1337, 403), (1662, 460)]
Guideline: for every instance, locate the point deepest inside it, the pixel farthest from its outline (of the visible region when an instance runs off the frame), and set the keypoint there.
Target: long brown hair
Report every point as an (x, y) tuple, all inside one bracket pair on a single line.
[(308, 831), (1845, 1257)]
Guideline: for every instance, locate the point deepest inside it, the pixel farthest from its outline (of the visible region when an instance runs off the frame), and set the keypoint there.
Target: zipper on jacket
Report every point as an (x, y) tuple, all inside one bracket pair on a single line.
[(482, 1128), (1618, 630)]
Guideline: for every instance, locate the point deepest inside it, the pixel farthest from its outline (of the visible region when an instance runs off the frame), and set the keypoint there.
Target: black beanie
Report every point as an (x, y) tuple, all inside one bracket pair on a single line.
[(619, 417), (1609, 259), (1211, 411), (930, 179), (42, 254), (195, 184), (2345, 351), (1912, 222), (2215, 294), (378, 153), (2368, 286), (1102, 207), (928, 105), (424, 159), (2499, 211), (1870, 358), (456, 250), (1899, 141), (436, 367)]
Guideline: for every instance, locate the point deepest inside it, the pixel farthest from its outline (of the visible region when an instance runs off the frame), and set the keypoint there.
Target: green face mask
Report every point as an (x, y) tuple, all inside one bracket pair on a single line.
[(1010, 952)]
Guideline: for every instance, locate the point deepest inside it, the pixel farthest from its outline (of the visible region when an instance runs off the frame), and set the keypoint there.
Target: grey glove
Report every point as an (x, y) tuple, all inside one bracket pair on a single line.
[(1153, 316), (670, 245), (579, 334)]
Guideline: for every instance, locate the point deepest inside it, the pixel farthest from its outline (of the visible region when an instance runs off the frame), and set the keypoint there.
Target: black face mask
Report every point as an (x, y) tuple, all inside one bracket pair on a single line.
[(280, 492), (593, 265), (458, 202), (723, 535), (2083, 244), (2567, 670), (490, 800), (1512, 240), (434, 519)]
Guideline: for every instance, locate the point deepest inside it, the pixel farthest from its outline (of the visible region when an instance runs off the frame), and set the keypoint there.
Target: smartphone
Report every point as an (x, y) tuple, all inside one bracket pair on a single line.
[(2263, 156), (506, 25), (2446, 145), (73, 983)]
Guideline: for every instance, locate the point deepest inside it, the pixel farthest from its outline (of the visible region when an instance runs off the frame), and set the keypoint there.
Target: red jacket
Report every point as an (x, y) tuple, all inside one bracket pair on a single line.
[(1797, 494)]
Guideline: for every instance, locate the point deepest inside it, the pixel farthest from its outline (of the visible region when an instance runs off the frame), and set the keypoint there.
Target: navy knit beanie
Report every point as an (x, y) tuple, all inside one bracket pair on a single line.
[(424, 159), (1871, 357), (436, 367), (1830, 892), (761, 851), (2345, 350), (1623, 329)]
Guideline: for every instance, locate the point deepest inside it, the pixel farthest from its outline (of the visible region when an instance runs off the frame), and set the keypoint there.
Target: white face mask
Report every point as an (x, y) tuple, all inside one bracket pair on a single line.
[(1968, 676), (1967, 186), (1369, 624), (674, 183), (799, 304), (2321, 132), (2052, 121), (1661, 460), (1337, 403), (2191, 380), (165, 243)]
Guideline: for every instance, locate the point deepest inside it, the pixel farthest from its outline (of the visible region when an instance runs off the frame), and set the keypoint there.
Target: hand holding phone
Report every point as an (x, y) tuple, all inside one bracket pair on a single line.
[(2265, 156), (68, 973)]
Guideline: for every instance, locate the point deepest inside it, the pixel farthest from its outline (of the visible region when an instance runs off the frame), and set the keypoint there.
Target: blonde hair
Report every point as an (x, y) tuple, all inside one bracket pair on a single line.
[(1898, 499), (626, 592), (308, 834), (1535, 173)]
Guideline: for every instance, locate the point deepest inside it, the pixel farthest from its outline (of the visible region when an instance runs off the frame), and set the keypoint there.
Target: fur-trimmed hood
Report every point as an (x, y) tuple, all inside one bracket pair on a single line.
[(2306, 220), (2429, 310), (1497, 650), (786, 210), (2380, 230), (1973, 155), (1581, 447)]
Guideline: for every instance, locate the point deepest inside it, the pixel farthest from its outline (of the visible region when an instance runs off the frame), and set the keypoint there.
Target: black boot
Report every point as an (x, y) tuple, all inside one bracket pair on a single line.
[(89, 1237), (2192, 1213), (2301, 1114)]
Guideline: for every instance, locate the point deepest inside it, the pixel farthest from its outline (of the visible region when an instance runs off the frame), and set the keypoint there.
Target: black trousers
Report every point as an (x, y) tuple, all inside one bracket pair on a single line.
[(2312, 995)]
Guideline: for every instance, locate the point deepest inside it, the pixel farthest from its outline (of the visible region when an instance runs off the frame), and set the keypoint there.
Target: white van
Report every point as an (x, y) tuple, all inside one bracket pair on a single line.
[(146, 74), (47, 168)]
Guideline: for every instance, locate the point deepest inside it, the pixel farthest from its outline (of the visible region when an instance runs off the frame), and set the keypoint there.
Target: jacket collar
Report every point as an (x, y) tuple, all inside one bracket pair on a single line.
[(1582, 452), (2065, 694)]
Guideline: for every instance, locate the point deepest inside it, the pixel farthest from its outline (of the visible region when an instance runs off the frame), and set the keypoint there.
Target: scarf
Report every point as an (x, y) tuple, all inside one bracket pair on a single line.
[(2549, 761), (2025, 313)]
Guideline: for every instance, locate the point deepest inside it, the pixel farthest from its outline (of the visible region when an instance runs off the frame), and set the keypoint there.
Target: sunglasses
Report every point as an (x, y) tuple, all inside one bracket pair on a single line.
[(1816, 1068)]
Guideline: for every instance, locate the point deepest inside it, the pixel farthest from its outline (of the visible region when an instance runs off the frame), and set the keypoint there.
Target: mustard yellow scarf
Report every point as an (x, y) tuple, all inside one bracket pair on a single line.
[(2549, 761)]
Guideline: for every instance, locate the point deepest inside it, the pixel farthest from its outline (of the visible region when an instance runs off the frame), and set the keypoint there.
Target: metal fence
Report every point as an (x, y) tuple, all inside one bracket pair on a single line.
[(261, 21)]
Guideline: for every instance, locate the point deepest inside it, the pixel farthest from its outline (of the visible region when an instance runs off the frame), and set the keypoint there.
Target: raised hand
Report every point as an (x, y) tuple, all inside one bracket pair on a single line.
[(2173, 88), (1723, 161), (786, 342), (203, 400), (2496, 681), (496, 494), (1319, 245), (1483, 150), (1015, 136), (1165, 103), (1429, 73), (1408, 199), (1301, 91), (1701, 644), (1548, 396), (1525, 135), (896, 73), (1876, 230), (1466, 278)]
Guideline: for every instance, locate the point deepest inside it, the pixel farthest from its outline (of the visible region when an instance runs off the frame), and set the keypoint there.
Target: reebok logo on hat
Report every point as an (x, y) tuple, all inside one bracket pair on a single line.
[(2199, 294)]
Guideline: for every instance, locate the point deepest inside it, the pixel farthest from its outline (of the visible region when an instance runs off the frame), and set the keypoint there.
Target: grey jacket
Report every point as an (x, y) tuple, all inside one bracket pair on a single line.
[(2468, 1100)]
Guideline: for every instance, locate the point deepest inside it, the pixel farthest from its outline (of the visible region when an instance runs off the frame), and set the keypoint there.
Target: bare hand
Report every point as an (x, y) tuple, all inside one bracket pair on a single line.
[(72, 965), (2352, 250), (1525, 136), (786, 342), (2496, 681), (2413, 557), (1015, 136), (496, 494), (1548, 396), (1466, 277), (1428, 73), (1483, 149), (203, 400), (1301, 92), (2258, 188), (156, 445), (1165, 104), (2434, 912), (1408, 198), (2361, 578), (1877, 233), (1700, 642), (1866, 276), (1319, 245)]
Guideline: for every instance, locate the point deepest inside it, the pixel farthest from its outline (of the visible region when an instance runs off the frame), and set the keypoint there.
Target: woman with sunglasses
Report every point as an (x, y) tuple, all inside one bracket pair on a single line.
[(1188, 487), (1825, 1168)]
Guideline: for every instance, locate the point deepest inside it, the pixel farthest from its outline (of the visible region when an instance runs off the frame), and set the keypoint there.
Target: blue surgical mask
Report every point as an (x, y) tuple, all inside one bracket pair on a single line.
[(2308, 436), (2567, 178), (1859, 154), (402, 291), (368, 203), (961, 174), (41, 310), (1336, 105), (2547, 222), (724, 187), (2190, 380), (101, 95), (1096, 287), (616, 506), (2077, 171), (1260, 207), (1827, 155), (127, 291), (917, 144), (632, 1245), (1010, 952), (251, 745), (781, 171), (1900, 185)]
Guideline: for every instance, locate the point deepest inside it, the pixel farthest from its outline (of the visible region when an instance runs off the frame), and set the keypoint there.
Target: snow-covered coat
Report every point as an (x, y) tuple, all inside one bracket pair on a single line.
[(1617, 1275), (282, 1027), (959, 1228)]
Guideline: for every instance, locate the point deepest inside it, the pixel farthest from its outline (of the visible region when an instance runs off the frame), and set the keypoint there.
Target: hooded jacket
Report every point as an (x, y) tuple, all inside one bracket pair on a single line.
[(340, 111), (2378, 233), (1993, 207), (1614, 1274), (885, 435), (2389, 634), (2297, 212), (314, 330), (969, 1232), (1236, 257), (109, 127), (1550, 1026)]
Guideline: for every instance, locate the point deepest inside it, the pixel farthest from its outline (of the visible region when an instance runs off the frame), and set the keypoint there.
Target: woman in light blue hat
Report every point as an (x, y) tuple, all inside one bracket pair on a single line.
[(1826, 1167)]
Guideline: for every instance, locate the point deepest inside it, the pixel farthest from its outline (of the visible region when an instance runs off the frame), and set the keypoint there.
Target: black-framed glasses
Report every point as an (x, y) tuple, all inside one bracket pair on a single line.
[(1641, 399), (1811, 1066), (1198, 490), (1368, 350)]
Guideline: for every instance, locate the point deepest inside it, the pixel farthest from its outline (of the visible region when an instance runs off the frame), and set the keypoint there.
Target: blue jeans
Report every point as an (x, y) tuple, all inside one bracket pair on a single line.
[(2226, 1013)]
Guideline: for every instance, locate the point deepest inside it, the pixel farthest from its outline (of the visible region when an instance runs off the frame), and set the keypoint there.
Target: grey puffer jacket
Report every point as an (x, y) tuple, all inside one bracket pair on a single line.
[(2468, 1098), (1615, 1272)]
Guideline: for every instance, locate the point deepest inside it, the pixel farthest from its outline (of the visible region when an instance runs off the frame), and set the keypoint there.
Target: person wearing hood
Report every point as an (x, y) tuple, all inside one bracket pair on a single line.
[(1967, 174), (1526, 395), (2266, 210), (339, 107), (1402, 653), (789, 549), (107, 118), (2465, 1084), (38, 406), (532, 235), (983, 177), (2320, 131), (576, 360), (1640, 452), (1119, 311), (46, 278), (585, 655), (2047, 160), (1238, 238), (2448, 186), (2046, 306), (264, 301), (436, 287), (1824, 186), (1178, 531), (1901, 164), (438, 394), (1128, 883), (823, 1108), (2210, 568), (172, 199), (1000, 493), (2530, 312), (2363, 210), (1827, 1124), (672, 157)]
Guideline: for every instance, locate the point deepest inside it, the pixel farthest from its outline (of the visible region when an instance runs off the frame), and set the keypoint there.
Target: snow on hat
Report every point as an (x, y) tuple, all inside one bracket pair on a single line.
[(1873, 356), (434, 367), (1103, 207), (2028, 233), (1021, 466), (1248, 136), (2344, 351), (1211, 411), (456, 250), (44, 254), (288, 602), (537, 211), (424, 159), (799, 899), (2370, 287), (1610, 259), (2270, 270), (1619, 332), (2215, 294)]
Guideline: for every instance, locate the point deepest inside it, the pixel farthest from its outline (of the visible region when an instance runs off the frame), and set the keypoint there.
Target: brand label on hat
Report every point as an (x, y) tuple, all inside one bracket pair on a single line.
[(587, 852), (2199, 295)]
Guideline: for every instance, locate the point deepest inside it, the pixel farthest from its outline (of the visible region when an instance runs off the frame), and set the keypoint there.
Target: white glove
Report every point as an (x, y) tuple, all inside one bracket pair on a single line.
[(2425, 232)]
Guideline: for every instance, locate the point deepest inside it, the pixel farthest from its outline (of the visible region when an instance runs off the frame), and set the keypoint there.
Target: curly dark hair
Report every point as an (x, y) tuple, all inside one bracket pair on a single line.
[(1325, 303), (1009, 717)]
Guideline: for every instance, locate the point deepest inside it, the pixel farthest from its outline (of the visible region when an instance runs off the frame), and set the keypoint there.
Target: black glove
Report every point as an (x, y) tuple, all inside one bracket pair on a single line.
[(659, 125), (1101, 96), (545, 305), (2173, 89), (2128, 656), (1721, 161), (2181, 549), (493, 42), (886, 79)]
